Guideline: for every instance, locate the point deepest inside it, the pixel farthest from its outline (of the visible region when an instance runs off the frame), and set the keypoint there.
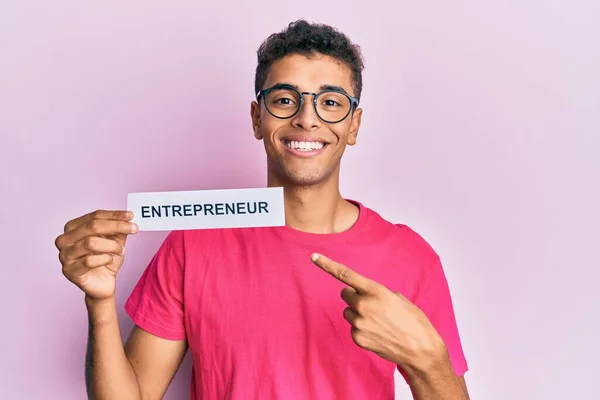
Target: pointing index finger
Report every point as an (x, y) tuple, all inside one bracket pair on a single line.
[(343, 273)]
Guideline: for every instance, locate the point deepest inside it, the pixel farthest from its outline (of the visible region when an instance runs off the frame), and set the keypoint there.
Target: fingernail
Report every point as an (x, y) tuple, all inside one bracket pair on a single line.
[(114, 259), (134, 227), (123, 250), (128, 215), (314, 257)]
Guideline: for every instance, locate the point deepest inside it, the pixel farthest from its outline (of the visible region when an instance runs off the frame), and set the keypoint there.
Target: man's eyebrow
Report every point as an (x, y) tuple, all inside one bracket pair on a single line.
[(333, 87), (286, 84), (322, 87)]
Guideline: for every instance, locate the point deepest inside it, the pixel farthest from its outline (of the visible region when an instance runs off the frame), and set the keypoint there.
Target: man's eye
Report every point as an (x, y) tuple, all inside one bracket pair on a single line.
[(285, 101)]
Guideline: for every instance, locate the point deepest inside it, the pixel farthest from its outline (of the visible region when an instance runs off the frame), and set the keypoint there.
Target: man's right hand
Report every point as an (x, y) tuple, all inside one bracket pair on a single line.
[(92, 248)]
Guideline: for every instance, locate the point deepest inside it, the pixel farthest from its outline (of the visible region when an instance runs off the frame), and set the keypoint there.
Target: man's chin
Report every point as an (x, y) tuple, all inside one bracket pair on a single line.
[(298, 175), (304, 178)]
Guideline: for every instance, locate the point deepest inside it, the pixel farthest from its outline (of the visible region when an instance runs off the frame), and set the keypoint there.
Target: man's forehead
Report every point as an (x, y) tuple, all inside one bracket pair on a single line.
[(316, 72)]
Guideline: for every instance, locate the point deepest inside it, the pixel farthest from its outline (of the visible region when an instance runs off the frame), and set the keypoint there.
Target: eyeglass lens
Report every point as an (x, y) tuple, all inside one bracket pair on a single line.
[(330, 106)]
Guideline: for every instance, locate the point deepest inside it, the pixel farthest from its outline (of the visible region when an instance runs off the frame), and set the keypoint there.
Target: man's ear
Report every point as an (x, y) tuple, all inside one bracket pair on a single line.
[(255, 115), (354, 126)]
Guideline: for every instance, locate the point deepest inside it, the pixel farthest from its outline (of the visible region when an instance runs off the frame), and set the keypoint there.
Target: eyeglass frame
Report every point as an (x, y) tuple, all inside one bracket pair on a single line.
[(263, 93)]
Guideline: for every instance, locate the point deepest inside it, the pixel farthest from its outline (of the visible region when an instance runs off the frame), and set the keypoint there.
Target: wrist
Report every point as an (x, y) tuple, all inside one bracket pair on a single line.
[(431, 368), (101, 311), (429, 360)]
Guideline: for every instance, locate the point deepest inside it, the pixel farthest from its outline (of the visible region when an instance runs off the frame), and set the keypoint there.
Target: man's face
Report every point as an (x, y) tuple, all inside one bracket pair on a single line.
[(292, 154)]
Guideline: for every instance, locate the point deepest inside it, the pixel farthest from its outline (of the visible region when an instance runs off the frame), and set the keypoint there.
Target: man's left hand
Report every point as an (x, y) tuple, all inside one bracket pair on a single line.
[(385, 322)]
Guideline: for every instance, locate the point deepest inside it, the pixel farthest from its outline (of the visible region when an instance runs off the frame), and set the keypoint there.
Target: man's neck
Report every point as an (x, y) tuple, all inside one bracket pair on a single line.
[(319, 209)]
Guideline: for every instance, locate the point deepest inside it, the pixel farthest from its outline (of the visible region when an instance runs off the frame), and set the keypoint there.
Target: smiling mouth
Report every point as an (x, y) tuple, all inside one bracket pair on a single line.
[(303, 146)]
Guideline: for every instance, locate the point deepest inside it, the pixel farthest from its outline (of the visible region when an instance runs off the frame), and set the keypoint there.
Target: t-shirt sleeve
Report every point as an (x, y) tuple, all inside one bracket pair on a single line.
[(434, 299), (156, 302)]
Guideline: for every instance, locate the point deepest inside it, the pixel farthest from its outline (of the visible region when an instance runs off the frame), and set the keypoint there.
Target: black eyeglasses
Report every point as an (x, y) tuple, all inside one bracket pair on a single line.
[(284, 101)]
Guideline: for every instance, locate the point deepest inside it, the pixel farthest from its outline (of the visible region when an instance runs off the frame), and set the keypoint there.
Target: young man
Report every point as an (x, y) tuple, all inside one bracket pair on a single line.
[(263, 314)]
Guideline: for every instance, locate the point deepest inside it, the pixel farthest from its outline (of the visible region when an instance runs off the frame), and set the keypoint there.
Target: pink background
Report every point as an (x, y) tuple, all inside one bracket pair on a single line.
[(481, 131)]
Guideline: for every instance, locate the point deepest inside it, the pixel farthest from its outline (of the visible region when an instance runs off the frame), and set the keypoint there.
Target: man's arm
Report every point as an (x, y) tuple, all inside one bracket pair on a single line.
[(142, 369), (154, 360), (439, 382), (91, 252), (463, 384), (422, 393), (392, 327)]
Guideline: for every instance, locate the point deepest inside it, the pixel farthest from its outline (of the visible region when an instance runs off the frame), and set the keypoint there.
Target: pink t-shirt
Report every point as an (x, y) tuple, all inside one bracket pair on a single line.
[(263, 322)]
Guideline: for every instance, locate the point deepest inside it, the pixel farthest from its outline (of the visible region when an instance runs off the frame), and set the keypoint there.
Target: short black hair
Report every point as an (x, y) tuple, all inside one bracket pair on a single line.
[(302, 37)]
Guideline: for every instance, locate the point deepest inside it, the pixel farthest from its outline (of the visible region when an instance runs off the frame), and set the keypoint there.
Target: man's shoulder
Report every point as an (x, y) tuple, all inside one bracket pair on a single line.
[(405, 236)]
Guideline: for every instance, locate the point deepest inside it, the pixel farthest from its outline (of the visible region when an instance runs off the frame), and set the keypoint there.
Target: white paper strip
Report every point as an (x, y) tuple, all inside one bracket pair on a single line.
[(207, 209)]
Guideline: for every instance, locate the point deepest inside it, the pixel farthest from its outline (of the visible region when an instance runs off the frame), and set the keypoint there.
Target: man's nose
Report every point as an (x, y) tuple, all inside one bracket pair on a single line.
[(307, 118)]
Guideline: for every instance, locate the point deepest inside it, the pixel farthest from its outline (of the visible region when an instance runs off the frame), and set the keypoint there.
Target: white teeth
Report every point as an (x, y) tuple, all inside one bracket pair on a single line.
[(303, 146)]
